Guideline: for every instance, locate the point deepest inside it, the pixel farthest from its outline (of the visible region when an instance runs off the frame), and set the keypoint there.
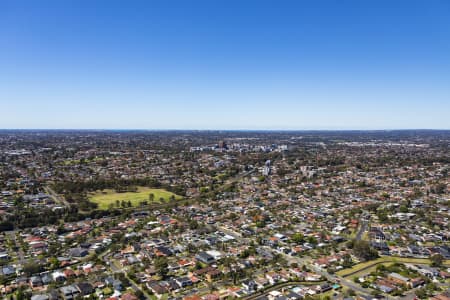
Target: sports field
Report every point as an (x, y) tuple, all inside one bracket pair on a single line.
[(106, 198)]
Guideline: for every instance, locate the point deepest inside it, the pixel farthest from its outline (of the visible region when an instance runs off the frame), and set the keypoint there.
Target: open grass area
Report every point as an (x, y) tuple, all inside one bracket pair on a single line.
[(369, 270), (368, 266), (107, 197)]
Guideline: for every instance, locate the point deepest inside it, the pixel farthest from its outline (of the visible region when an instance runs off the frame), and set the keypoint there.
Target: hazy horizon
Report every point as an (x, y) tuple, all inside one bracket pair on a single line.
[(224, 129)]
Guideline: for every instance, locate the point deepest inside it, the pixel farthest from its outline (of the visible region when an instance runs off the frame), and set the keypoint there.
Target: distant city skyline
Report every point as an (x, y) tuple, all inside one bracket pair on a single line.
[(238, 65)]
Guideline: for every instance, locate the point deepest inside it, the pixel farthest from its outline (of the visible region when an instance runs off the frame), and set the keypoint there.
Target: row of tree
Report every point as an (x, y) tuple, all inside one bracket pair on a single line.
[(72, 187)]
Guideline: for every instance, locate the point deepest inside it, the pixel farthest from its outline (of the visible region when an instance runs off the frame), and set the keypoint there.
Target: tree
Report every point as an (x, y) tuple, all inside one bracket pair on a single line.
[(6, 226), (351, 293), (363, 250), (312, 240), (139, 294), (123, 278), (198, 265), (22, 295), (298, 238), (347, 261), (31, 268), (193, 224), (382, 216), (381, 268), (151, 197), (54, 262), (436, 260), (161, 266), (439, 188), (403, 209), (261, 224), (421, 293)]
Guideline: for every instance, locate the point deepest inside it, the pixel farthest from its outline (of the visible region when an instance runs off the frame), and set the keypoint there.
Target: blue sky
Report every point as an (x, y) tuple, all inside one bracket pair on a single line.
[(225, 64)]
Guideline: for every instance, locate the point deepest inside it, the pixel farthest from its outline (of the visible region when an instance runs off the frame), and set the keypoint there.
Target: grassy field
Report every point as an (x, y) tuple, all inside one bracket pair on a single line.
[(106, 197), (364, 271), (368, 266)]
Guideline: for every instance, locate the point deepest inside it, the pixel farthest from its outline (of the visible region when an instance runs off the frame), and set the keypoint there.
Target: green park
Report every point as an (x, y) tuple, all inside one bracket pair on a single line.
[(109, 198)]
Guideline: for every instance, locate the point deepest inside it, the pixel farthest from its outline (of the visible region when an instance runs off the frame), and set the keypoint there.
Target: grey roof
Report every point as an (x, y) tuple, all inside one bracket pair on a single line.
[(40, 297)]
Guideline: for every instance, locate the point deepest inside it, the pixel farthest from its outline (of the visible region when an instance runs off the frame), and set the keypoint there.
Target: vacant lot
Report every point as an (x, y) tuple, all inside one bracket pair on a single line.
[(106, 198)]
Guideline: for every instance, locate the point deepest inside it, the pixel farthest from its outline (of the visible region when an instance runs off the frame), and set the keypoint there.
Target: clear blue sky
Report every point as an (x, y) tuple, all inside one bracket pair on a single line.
[(225, 64)]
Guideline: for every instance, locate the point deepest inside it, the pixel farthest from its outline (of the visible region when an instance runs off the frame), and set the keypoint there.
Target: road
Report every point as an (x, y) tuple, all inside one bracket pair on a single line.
[(116, 269), (237, 178), (306, 261), (300, 260), (57, 198), (20, 253), (278, 286), (364, 224), (234, 234)]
